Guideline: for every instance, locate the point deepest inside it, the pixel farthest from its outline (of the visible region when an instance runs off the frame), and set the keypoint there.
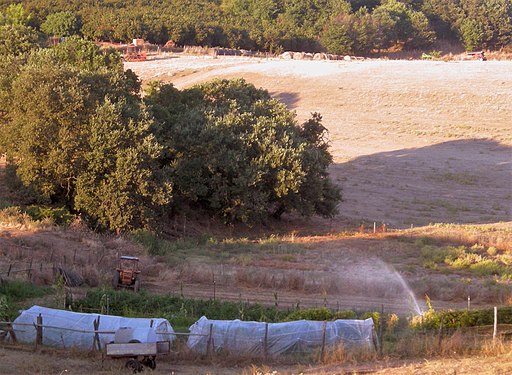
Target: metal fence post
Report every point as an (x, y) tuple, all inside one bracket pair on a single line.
[(265, 343)]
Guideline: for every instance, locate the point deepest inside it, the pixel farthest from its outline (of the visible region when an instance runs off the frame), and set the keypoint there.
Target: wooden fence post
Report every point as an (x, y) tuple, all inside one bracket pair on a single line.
[(210, 342), (96, 342), (10, 329), (440, 335), (322, 352), (39, 331), (381, 328), (29, 271), (495, 330)]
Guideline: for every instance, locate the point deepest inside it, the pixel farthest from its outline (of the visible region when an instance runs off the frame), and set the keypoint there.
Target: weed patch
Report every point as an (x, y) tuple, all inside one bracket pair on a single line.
[(13, 294)]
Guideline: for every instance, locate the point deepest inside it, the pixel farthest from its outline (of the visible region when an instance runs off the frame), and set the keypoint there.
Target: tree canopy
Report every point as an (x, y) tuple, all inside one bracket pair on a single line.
[(236, 151), (351, 26), (76, 132)]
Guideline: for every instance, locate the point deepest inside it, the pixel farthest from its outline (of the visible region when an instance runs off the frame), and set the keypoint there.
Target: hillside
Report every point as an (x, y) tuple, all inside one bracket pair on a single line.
[(414, 143)]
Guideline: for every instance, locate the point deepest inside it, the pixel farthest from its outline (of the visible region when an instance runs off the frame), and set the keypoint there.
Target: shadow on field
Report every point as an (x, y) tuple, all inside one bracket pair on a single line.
[(288, 98), (463, 181)]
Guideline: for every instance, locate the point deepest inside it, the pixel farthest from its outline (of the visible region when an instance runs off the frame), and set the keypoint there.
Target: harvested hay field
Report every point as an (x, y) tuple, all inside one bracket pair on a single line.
[(414, 142)]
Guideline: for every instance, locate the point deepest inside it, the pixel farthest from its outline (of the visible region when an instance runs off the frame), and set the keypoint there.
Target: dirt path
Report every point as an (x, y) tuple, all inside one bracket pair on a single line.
[(414, 142)]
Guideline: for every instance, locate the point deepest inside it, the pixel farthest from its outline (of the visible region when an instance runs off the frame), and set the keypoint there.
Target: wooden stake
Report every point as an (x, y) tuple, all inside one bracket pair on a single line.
[(381, 324), (96, 343), (210, 342), (495, 330), (440, 335), (322, 353), (10, 329), (39, 331)]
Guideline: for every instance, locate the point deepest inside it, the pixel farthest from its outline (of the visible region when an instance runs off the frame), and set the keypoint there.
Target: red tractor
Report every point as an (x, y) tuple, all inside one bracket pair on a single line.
[(127, 274)]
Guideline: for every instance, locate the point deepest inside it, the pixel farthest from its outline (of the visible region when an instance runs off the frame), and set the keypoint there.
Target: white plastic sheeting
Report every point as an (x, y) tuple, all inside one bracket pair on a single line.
[(248, 338), (66, 329)]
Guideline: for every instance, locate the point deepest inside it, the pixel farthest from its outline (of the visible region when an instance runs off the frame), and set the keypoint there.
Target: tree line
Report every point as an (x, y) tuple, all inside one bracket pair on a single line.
[(77, 132), (333, 26)]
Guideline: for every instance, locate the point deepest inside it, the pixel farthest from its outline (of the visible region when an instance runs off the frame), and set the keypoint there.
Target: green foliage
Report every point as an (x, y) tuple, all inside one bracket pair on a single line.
[(237, 153), (17, 291), (476, 258), (322, 313), (16, 34), (117, 185), (4, 307), (59, 216), (15, 15), (17, 39), (13, 295), (461, 318), (336, 37), (153, 244), (77, 133), (181, 312), (61, 24), (362, 26)]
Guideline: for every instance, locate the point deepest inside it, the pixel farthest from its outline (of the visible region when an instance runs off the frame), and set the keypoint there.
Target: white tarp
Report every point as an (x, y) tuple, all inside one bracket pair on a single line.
[(248, 338), (66, 329)]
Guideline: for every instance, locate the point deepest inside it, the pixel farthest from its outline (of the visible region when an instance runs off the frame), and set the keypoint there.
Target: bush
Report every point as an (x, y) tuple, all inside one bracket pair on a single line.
[(154, 245), (58, 216), (461, 318), (490, 267)]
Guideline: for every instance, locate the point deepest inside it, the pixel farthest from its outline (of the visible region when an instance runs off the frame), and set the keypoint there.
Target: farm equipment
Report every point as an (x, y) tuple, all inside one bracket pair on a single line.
[(138, 354), (480, 55), (127, 274), (133, 53)]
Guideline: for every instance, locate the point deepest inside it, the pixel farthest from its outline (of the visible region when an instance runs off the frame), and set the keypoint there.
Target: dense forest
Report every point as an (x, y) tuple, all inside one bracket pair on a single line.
[(334, 26)]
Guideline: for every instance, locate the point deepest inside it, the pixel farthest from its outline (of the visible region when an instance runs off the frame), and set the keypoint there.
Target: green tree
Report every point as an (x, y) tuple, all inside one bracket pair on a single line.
[(238, 153), (16, 36), (17, 39), (485, 23), (61, 24), (15, 15), (70, 143), (118, 186), (337, 38)]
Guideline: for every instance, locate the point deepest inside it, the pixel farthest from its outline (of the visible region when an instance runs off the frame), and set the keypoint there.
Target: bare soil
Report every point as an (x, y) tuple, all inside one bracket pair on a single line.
[(414, 142)]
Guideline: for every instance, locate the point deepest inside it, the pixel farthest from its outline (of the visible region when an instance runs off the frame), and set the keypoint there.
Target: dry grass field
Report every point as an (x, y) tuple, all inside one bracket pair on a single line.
[(414, 143)]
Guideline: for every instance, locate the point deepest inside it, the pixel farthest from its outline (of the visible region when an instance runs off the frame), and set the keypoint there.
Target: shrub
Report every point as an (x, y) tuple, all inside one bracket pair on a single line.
[(489, 267), (461, 318), (58, 216)]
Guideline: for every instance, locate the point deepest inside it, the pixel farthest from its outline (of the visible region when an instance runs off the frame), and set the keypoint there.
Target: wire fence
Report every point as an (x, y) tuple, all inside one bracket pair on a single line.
[(213, 339)]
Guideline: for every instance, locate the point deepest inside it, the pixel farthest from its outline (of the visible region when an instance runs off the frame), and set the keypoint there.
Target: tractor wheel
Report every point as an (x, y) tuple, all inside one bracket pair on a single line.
[(149, 362), (136, 285), (134, 365), (115, 280)]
